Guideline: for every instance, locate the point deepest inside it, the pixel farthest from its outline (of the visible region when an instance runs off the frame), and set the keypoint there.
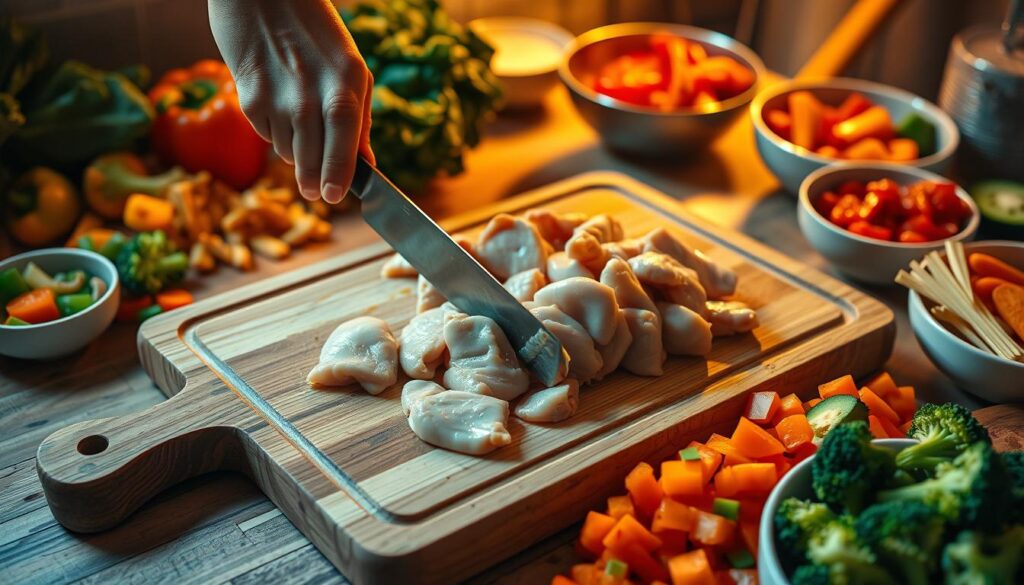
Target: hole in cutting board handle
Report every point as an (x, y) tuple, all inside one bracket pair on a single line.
[(92, 445)]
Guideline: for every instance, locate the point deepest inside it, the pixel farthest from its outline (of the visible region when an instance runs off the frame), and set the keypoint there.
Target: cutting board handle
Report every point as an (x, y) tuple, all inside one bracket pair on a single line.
[(96, 473)]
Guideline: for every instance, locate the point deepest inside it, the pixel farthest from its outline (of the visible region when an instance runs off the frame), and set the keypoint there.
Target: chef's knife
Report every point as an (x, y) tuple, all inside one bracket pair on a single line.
[(448, 267)]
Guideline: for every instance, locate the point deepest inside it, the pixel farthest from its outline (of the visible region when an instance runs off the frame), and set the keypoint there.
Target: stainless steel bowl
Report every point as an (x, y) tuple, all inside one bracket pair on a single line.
[(640, 130)]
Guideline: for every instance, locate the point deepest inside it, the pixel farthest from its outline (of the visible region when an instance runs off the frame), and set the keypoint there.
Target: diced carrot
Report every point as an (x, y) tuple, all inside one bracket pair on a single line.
[(629, 531), (692, 568), (642, 563), (129, 308), (794, 431), (712, 529), (882, 385), (644, 489), (682, 478), (755, 478), (811, 403), (672, 515), (173, 299), (843, 385), (586, 574), (903, 402), (891, 429), (788, 406), (876, 428), (749, 534), (755, 442), (877, 406), (619, 506), (709, 459), (34, 306), (986, 265), (762, 406), (725, 446), (595, 528), (562, 580)]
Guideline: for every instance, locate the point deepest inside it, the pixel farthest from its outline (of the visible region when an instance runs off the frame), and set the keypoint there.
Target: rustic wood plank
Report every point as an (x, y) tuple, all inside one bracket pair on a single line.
[(20, 491)]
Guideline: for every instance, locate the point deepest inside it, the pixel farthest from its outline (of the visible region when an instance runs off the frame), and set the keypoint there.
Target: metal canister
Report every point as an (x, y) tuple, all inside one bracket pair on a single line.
[(983, 90)]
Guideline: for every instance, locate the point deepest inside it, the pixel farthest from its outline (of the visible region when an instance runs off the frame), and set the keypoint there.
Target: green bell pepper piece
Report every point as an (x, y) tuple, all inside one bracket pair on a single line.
[(73, 303), (150, 311), (113, 246), (15, 322), (11, 285), (920, 131), (616, 568), (727, 508), (690, 454), (740, 559)]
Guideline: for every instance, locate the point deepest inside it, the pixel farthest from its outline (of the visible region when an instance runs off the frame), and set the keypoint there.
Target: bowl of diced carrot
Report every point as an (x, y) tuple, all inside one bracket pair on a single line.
[(56, 301), (803, 125), (696, 518)]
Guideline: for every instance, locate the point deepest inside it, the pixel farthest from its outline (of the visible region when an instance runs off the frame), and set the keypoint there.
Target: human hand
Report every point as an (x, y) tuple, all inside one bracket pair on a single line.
[(301, 83)]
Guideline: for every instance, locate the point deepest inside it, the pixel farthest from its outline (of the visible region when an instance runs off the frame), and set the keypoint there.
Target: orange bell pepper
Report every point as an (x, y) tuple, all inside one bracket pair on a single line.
[(903, 150), (725, 446), (173, 299), (629, 531), (903, 402), (709, 459), (843, 385), (762, 406), (595, 528), (875, 426), (562, 580), (750, 535), (867, 149), (712, 529), (672, 515), (644, 489), (794, 431), (586, 574), (200, 124), (883, 385), (873, 122), (619, 506), (34, 306), (642, 563), (692, 568), (891, 428), (877, 406), (811, 404), (682, 478), (755, 442)]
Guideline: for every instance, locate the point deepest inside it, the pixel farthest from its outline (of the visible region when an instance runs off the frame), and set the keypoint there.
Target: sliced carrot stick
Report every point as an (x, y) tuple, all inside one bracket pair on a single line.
[(595, 528), (877, 406), (755, 442), (877, 430), (882, 384), (986, 265), (173, 298), (903, 402), (749, 535), (644, 489), (985, 285), (891, 428), (1009, 301)]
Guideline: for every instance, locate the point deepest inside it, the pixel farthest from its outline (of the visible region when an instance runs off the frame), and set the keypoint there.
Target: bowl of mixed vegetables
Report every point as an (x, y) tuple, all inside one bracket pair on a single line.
[(55, 301), (659, 89), (803, 125), (870, 220), (940, 506)]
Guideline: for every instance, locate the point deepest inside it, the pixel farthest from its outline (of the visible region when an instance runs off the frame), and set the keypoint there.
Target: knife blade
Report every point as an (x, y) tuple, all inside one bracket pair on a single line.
[(447, 266)]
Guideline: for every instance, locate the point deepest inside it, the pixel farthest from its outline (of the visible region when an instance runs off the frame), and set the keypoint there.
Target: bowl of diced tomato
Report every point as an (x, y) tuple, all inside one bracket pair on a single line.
[(870, 220), (803, 125), (55, 301), (659, 89)]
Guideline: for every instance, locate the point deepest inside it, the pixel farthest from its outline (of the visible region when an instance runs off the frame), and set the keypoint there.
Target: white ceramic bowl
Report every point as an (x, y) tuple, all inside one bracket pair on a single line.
[(796, 483), (527, 54), (868, 259), (67, 334), (791, 164), (974, 370)]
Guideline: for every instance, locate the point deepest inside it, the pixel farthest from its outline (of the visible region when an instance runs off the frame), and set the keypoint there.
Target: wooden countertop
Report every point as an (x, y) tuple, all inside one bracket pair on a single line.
[(219, 527)]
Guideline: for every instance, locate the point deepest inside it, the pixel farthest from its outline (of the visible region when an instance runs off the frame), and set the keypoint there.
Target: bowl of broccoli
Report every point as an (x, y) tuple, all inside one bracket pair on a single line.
[(940, 506)]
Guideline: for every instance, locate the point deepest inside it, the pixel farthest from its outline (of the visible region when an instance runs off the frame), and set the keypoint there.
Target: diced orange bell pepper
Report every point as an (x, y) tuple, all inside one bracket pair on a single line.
[(712, 529), (586, 574), (811, 404), (883, 385), (595, 528), (903, 150), (709, 459), (803, 452), (903, 402), (805, 111), (562, 580), (794, 431), (682, 478), (673, 542), (756, 478), (755, 442), (644, 489), (781, 462), (867, 149), (729, 451), (873, 122), (619, 506), (672, 515), (629, 531), (843, 385), (692, 568), (780, 122), (875, 426), (891, 428), (642, 563), (789, 405), (34, 306), (877, 406), (762, 406), (173, 299), (749, 534), (751, 507)]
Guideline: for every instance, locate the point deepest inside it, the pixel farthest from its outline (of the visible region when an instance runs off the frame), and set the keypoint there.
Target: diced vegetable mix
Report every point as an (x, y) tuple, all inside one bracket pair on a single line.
[(696, 520), (855, 130), (31, 296), (923, 212)]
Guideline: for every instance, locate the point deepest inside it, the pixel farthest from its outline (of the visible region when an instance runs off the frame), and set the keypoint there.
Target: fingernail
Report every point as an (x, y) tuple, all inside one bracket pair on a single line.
[(310, 194), (334, 193)]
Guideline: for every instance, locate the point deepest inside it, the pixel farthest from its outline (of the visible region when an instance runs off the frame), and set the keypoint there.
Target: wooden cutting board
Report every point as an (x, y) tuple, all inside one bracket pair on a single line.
[(344, 466)]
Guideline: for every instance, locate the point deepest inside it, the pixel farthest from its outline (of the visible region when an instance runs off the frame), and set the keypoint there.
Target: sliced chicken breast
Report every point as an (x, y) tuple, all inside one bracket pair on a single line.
[(624, 249), (613, 351), (560, 267), (646, 354), (555, 228), (482, 359), (717, 280), (730, 318), (509, 245), (524, 285), (628, 291), (584, 359), (587, 301), (397, 267), (415, 390), (427, 296), (421, 348), (461, 421), (685, 331), (550, 405), (362, 350), (672, 281)]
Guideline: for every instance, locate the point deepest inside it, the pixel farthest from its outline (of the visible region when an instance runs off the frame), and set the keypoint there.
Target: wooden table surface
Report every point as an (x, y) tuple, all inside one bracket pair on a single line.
[(220, 528)]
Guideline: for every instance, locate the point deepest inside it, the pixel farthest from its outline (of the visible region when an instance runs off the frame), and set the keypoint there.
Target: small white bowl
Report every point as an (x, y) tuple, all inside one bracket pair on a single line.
[(527, 54), (67, 334), (868, 259), (974, 370), (791, 164), (795, 484)]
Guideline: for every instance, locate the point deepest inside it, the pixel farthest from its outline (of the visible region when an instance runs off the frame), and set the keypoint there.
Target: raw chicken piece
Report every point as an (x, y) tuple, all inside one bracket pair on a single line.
[(588, 301), (625, 249), (427, 297), (604, 228), (551, 405), (730, 318), (556, 228), (415, 390), (461, 421), (675, 282), (717, 280), (586, 249), (628, 292), (482, 359), (509, 245), (524, 285), (685, 332), (397, 267), (362, 350), (421, 348), (646, 354), (560, 267), (584, 359), (613, 352)]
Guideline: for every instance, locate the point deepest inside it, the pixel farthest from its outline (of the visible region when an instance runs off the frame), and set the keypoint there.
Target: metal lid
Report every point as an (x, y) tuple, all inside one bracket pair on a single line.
[(983, 48)]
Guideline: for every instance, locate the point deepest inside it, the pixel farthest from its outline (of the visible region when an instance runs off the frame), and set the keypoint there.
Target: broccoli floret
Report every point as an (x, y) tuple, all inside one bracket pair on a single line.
[(1013, 461), (810, 575), (970, 491), (944, 430), (977, 559), (795, 521), (848, 559), (848, 470), (906, 536), (148, 262)]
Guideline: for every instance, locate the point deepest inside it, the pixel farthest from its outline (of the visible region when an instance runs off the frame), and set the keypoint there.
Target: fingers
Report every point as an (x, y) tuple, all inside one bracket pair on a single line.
[(343, 119), (308, 148), (364, 134), (281, 135)]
